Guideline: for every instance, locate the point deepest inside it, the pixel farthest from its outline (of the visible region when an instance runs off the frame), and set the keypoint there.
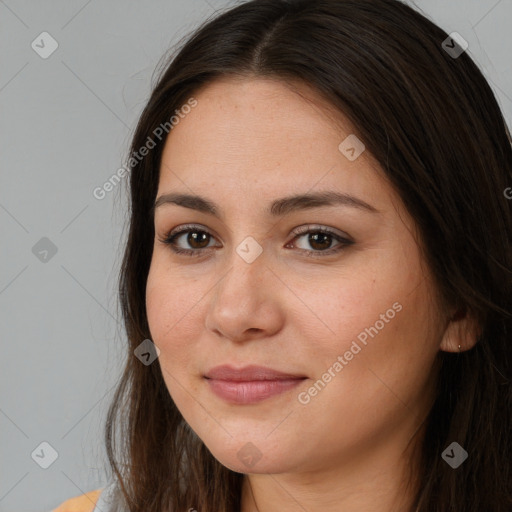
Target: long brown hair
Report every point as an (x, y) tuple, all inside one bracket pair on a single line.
[(433, 123)]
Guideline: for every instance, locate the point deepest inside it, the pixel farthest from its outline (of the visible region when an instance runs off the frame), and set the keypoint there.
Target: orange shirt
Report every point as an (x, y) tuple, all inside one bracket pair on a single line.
[(84, 503)]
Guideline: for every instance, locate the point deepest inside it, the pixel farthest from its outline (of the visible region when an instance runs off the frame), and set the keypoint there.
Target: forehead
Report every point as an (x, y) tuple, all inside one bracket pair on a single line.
[(254, 111), (266, 137)]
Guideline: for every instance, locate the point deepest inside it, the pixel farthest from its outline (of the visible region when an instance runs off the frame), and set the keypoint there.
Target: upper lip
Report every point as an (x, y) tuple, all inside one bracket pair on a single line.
[(248, 373)]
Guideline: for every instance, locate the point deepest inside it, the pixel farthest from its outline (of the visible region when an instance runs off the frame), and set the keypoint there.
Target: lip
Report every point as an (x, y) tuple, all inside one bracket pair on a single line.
[(248, 373), (249, 384)]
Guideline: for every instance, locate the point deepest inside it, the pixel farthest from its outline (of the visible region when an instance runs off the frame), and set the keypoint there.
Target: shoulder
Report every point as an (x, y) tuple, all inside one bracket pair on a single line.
[(84, 503)]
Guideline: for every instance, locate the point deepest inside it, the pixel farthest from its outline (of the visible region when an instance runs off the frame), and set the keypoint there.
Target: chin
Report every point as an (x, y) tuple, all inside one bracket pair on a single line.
[(257, 456)]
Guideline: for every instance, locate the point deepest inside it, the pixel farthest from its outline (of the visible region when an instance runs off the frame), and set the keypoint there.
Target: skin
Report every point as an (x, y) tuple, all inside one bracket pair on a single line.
[(246, 143)]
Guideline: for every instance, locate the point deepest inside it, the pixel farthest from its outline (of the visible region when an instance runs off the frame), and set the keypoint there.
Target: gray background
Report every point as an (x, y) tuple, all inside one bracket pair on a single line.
[(65, 125)]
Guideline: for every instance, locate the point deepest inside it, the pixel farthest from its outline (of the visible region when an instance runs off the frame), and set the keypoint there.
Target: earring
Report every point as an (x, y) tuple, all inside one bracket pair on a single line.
[(459, 348)]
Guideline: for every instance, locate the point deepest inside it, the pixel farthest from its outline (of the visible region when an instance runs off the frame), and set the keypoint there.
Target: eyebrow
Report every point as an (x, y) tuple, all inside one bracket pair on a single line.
[(278, 207)]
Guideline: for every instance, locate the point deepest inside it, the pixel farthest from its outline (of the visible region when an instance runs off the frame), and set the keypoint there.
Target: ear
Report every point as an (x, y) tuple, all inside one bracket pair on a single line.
[(462, 329)]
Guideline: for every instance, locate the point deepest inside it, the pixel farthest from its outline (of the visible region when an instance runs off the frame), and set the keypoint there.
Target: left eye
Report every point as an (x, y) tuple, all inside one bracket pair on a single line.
[(320, 239)]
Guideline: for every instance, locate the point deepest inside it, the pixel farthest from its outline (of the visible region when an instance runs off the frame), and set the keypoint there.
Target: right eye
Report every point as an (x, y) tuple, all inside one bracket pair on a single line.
[(197, 240)]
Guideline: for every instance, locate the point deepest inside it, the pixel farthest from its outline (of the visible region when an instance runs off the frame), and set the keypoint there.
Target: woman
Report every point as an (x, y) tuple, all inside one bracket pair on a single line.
[(317, 279)]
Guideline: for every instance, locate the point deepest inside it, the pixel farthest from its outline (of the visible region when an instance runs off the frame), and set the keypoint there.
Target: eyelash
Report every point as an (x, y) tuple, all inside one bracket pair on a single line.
[(171, 237)]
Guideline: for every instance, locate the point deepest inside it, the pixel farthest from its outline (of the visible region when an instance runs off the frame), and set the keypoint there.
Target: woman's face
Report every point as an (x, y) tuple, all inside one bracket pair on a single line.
[(349, 312)]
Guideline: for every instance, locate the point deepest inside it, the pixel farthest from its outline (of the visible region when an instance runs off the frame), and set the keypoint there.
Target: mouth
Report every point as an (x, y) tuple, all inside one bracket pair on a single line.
[(250, 384), (249, 392)]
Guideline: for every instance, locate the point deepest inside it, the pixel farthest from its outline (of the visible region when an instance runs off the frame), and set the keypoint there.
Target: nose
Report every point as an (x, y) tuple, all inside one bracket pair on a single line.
[(246, 303)]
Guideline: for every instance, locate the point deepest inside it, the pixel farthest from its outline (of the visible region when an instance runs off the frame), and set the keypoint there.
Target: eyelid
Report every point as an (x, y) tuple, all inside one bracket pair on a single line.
[(186, 227), (320, 227)]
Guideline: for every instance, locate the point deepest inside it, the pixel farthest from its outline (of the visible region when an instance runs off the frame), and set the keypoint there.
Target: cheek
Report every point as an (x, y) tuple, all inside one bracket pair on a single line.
[(168, 309), (170, 304), (379, 312), (384, 335), (386, 360), (341, 305)]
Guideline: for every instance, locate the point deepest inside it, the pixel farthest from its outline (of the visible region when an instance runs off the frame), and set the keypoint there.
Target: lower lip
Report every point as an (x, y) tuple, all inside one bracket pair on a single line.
[(251, 391)]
